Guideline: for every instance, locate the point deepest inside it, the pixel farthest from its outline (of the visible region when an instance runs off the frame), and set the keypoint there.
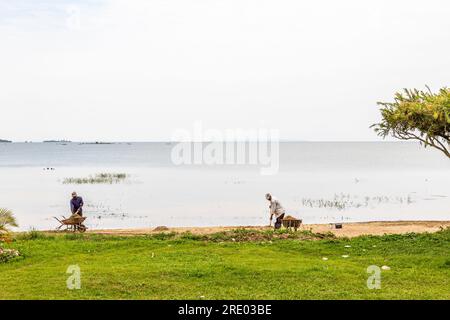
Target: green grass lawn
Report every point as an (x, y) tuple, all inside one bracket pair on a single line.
[(218, 267)]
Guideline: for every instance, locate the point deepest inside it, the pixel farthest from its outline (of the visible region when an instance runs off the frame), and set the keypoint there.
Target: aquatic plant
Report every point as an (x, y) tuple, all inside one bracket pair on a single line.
[(107, 178), (345, 201)]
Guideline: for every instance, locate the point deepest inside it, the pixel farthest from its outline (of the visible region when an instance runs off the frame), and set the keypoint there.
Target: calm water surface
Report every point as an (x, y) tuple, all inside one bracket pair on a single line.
[(319, 182)]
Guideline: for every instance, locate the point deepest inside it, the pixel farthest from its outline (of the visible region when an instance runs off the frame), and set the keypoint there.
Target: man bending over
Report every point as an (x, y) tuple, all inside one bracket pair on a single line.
[(276, 209)]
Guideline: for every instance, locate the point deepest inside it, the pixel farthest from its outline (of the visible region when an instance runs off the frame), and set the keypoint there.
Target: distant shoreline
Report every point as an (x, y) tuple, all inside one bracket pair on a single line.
[(173, 142)]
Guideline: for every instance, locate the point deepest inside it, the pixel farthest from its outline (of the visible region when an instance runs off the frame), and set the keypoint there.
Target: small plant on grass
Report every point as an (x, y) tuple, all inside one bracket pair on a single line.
[(163, 235), (190, 236)]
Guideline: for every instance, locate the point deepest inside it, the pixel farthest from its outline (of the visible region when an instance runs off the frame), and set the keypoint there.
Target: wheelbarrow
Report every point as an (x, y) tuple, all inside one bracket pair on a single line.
[(291, 223), (74, 223)]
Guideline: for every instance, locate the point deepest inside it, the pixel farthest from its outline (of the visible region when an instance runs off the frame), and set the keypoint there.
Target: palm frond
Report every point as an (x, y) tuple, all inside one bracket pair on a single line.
[(7, 219)]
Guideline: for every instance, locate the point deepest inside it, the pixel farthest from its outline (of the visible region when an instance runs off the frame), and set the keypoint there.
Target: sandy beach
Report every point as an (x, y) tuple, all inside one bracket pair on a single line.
[(348, 230)]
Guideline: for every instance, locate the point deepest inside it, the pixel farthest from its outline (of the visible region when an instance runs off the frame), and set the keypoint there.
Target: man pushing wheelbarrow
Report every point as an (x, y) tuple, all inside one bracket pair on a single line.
[(75, 221), (76, 204)]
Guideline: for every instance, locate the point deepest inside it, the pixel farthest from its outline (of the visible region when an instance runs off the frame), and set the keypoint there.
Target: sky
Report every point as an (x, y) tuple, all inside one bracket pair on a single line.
[(122, 70)]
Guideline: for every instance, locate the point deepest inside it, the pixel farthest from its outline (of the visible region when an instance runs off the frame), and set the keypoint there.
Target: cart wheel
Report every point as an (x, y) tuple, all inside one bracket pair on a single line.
[(82, 228)]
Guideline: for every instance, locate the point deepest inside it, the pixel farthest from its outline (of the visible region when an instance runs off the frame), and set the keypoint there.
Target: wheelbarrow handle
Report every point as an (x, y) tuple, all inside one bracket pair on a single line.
[(58, 220)]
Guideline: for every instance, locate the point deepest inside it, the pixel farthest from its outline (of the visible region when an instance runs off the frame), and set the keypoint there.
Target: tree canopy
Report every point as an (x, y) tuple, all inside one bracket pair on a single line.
[(418, 115)]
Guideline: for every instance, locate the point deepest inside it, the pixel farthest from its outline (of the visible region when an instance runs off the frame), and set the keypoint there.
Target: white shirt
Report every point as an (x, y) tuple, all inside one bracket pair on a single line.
[(276, 208)]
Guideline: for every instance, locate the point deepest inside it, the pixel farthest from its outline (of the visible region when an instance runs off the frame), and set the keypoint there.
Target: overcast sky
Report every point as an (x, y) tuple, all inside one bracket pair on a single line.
[(136, 70)]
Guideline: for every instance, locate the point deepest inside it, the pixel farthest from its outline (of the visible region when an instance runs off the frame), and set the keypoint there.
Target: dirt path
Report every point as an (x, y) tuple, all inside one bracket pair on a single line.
[(348, 230)]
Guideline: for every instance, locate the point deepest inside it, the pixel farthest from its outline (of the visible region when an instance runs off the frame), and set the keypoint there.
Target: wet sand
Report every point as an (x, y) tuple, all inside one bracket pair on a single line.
[(348, 229)]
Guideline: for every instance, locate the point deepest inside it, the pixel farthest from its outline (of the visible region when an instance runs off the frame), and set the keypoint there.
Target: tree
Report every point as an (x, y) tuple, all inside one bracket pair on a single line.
[(418, 115)]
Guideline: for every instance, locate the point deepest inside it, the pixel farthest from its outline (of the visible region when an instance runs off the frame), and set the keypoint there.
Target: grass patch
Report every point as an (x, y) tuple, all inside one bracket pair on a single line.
[(31, 235), (255, 265), (242, 235)]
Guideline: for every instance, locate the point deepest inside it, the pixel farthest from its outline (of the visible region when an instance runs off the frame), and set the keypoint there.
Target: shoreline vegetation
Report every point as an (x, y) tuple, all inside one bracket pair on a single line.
[(234, 264), (170, 142), (349, 230), (96, 142), (62, 142), (56, 141)]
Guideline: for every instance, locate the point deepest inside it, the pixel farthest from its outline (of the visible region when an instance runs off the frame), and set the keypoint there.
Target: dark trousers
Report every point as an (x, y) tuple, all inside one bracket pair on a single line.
[(278, 222), (80, 212)]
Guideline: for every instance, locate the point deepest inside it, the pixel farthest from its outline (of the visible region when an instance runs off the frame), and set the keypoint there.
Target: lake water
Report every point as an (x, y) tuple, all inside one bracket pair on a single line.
[(320, 182)]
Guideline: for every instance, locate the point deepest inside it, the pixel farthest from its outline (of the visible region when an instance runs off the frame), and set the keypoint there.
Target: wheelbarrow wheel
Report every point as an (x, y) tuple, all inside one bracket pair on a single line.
[(82, 228)]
